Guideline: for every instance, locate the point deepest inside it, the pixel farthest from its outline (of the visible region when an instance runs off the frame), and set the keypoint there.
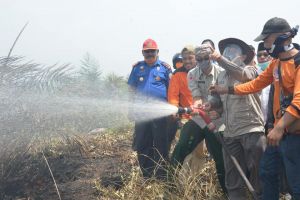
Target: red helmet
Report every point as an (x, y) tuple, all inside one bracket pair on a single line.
[(149, 44)]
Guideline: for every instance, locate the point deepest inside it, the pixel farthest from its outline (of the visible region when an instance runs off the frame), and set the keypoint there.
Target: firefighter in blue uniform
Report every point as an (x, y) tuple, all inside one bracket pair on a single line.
[(150, 78)]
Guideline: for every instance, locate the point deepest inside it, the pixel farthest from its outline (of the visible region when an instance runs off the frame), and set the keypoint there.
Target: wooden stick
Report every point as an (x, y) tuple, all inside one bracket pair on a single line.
[(52, 175)]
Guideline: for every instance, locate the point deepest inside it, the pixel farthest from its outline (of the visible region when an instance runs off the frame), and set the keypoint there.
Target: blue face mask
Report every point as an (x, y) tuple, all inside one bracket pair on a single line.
[(263, 65)]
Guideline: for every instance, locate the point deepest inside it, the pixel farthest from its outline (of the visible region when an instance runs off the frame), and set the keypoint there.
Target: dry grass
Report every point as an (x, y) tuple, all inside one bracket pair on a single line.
[(201, 186), (180, 185), (99, 165)]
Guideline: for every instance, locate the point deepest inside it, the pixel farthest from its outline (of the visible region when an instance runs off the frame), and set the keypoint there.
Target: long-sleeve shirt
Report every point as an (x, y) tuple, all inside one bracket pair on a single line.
[(199, 84), (290, 82), (179, 93), (290, 74), (242, 114)]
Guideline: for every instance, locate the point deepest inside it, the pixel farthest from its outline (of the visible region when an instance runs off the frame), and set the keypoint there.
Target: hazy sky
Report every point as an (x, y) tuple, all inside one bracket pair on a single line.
[(113, 30)]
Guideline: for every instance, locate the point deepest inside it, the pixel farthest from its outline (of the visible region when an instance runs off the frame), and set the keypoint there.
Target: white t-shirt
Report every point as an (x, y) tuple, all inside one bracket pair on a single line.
[(264, 98)]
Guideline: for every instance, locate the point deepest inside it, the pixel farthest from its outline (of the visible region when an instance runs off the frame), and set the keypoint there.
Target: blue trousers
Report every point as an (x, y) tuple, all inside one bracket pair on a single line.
[(271, 168), (151, 143), (290, 147)]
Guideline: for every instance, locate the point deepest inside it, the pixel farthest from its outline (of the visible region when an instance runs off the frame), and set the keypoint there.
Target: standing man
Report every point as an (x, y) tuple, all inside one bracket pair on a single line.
[(149, 79), (284, 72), (195, 130), (244, 132), (272, 172), (179, 94)]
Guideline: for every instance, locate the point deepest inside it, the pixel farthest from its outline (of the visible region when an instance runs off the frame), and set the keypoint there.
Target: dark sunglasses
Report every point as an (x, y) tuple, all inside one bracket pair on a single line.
[(262, 54), (150, 51)]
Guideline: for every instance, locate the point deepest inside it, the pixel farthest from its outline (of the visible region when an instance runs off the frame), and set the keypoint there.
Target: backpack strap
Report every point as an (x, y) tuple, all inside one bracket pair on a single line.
[(284, 100), (297, 59)]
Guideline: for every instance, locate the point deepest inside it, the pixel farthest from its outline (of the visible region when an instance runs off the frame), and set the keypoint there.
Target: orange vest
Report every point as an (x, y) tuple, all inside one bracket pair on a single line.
[(178, 92)]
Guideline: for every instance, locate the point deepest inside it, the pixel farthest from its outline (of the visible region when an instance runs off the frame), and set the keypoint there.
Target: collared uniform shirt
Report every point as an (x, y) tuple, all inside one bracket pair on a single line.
[(199, 84), (151, 81), (242, 114)]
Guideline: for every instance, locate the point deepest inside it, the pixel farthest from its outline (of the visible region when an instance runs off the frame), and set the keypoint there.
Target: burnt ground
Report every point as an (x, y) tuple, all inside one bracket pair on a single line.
[(78, 164)]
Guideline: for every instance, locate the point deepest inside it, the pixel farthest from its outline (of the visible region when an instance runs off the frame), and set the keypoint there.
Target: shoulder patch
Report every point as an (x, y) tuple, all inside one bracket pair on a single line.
[(166, 65), (297, 59), (137, 63)]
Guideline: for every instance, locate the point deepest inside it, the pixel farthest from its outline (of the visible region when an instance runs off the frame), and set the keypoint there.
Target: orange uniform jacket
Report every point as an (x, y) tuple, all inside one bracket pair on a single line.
[(291, 82), (178, 92)]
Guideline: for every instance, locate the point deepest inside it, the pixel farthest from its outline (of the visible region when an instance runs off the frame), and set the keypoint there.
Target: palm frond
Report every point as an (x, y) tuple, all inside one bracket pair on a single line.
[(15, 71)]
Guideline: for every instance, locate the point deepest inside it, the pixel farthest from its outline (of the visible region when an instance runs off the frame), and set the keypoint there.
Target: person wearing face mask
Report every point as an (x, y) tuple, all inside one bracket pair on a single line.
[(244, 125), (195, 130), (271, 171), (149, 81), (263, 60), (284, 73)]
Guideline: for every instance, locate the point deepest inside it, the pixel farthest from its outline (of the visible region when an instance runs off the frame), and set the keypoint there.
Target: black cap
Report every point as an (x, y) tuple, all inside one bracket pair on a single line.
[(261, 47), (273, 25), (245, 48)]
